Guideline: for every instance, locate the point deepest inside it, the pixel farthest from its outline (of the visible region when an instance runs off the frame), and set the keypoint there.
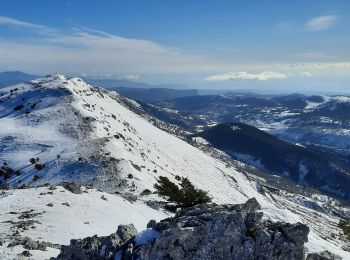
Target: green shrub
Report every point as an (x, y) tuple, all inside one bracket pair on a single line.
[(184, 196), (32, 160), (39, 166), (36, 177)]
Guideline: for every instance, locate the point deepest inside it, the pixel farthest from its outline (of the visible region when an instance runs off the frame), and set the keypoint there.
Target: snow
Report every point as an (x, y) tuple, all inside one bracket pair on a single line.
[(87, 215), (145, 236), (200, 140), (235, 128), (56, 127)]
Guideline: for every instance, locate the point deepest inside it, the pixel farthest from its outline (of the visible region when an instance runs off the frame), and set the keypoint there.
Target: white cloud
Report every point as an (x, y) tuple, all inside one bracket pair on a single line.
[(82, 50), (8, 21), (317, 65), (306, 74), (321, 23), (313, 55), (266, 75)]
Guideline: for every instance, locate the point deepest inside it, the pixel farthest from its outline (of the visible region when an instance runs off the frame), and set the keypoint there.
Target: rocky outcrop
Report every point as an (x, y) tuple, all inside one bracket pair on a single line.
[(200, 232), (93, 248), (225, 232)]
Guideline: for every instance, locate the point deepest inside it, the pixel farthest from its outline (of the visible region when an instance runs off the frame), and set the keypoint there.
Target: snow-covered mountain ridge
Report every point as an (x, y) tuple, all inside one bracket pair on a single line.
[(85, 134)]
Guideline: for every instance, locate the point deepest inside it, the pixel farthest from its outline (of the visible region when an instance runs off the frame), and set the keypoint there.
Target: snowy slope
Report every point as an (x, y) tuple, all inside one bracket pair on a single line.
[(86, 215), (85, 134)]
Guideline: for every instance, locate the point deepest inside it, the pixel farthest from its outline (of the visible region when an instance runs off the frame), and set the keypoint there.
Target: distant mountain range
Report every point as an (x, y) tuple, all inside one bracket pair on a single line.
[(9, 78), (116, 83), (303, 165), (136, 90)]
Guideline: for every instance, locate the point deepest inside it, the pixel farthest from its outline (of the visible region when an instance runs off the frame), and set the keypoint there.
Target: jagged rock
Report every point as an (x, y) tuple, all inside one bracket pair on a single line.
[(25, 253), (154, 204), (129, 196), (98, 247), (125, 232), (72, 187), (151, 224), (52, 187), (225, 232), (2, 241), (30, 244), (324, 255), (200, 232)]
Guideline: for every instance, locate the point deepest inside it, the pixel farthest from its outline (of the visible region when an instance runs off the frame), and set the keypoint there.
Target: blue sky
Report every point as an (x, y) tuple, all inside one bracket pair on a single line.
[(277, 45)]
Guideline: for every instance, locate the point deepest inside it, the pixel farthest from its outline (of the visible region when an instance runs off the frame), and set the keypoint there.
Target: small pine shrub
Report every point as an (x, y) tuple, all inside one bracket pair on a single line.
[(39, 166), (36, 177), (19, 107), (32, 160), (187, 195)]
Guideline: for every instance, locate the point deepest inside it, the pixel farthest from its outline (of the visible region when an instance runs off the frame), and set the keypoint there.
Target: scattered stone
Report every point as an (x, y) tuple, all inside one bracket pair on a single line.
[(49, 205), (154, 204), (30, 244), (72, 187), (103, 197), (25, 253), (145, 192), (324, 255), (66, 204), (129, 196), (52, 187)]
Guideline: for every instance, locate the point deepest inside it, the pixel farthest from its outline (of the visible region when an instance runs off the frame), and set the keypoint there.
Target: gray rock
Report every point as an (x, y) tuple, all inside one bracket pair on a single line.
[(154, 204), (225, 232), (129, 196), (25, 253), (52, 187), (126, 232), (94, 248), (30, 244), (72, 187), (151, 224), (324, 255)]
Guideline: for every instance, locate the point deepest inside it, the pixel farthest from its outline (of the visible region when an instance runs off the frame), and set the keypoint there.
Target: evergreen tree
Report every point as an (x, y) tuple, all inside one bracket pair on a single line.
[(184, 197)]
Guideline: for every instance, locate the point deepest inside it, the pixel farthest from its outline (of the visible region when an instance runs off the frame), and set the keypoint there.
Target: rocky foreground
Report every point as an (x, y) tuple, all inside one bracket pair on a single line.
[(201, 232)]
